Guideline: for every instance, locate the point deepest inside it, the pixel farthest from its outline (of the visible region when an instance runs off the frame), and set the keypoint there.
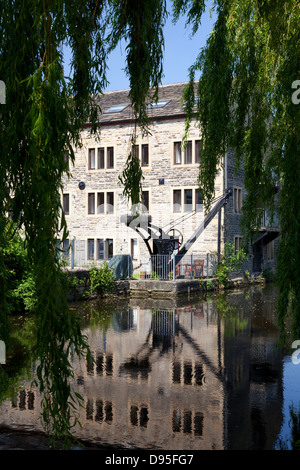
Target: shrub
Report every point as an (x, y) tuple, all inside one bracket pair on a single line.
[(20, 284), (230, 261), (102, 280)]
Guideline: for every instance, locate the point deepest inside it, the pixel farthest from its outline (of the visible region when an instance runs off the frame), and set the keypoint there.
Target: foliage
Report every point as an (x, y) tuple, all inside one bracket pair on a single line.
[(246, 72), (102, 279), (293, 442), (268, 275), (20, 286), (41, 121), (244, 102), (230, 261)]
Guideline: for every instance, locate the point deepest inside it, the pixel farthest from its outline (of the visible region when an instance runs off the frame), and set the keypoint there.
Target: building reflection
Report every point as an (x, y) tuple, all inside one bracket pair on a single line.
[(188, 377)]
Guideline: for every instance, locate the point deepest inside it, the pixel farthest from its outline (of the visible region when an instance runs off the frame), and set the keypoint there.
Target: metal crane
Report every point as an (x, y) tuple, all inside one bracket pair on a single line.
[(170, 242)]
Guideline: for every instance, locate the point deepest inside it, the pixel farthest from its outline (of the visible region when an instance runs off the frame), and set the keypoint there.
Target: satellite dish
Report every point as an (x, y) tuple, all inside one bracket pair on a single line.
[(81, 185)]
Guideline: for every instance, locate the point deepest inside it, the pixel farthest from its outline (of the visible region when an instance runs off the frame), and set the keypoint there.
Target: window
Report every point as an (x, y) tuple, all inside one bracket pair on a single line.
[(109, 248), (105, 203), (159, 104), (198, 150), (177, 200), (177, 153), (133, 249), (100, 203), (110, 203), (188, 200), (145, 201), (91, 251), (101, 161), (238, 241), (101, 158), (270, 251), (91, 203), (187, 154), (199, 199), (237, 200), (145, 155), (141, 152), (92, 162), (110, 157), (105, 248), (188, 157), (100, 249), (116, 109), (66, 204)]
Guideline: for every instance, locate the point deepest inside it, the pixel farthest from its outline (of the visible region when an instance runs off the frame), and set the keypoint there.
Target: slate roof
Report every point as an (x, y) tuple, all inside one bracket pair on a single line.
[(171, 94)]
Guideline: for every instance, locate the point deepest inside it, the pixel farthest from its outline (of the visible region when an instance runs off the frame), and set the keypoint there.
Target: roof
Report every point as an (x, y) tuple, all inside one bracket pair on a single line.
[(115, 105)]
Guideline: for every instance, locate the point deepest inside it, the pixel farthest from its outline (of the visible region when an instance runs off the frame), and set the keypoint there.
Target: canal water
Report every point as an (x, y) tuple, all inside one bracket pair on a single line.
[(188, 374)]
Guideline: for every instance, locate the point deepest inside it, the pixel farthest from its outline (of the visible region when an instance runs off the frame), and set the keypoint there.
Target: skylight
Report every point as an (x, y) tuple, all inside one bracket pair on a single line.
[(159, 104), (116, 109)]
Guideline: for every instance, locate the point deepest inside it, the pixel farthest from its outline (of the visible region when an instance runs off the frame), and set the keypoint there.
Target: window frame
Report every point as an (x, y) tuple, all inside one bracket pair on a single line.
[(105, 162), (186, 156), (105, 243), (90, 196), (66, 196), (144, 205), (239, 239), (184, 207), (90, 168), (97, 203), (237, 199), (90, 241)]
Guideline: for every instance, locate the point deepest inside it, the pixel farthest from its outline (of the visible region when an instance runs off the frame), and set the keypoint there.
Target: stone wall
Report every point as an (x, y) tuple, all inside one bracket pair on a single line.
[(84, 226)]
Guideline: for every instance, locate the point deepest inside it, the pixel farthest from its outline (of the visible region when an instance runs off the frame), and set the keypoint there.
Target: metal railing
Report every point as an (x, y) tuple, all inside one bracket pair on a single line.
[(191, 266)]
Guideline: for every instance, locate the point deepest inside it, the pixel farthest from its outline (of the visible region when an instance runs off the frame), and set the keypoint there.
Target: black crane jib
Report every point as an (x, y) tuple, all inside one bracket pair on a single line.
[(184, 249), (165, 242)]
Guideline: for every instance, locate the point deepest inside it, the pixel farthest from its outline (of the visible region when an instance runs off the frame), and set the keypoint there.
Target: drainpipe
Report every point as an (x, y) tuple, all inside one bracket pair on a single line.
[(73, 252)]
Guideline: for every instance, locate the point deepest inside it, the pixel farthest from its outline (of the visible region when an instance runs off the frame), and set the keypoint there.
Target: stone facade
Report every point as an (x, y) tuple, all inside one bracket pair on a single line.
[(93, 214)]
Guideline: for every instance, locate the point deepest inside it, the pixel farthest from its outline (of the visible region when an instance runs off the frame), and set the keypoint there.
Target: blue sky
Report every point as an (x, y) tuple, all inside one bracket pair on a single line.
[(181, 51)]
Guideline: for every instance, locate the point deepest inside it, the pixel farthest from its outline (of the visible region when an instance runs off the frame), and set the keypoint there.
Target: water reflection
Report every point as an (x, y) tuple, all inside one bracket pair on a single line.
[(175, 375)]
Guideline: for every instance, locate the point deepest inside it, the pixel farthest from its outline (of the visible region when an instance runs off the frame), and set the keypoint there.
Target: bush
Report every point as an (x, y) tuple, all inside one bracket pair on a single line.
[(229, 262), (20, 285), (102, 280), (268, 275)]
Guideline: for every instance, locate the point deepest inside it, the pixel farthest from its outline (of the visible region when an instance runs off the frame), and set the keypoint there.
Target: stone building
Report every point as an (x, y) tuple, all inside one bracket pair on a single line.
[(95, 206)]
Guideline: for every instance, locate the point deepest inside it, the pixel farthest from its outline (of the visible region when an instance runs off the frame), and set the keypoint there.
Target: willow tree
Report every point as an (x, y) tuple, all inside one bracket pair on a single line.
[(40, 121), (248, 101)]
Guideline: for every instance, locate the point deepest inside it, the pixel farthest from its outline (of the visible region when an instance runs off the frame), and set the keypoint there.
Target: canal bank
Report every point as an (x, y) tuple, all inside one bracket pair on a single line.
[(155, 288)]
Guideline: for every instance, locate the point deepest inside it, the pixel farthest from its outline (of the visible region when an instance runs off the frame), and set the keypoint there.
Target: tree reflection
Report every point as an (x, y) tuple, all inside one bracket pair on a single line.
[(59, 337)]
